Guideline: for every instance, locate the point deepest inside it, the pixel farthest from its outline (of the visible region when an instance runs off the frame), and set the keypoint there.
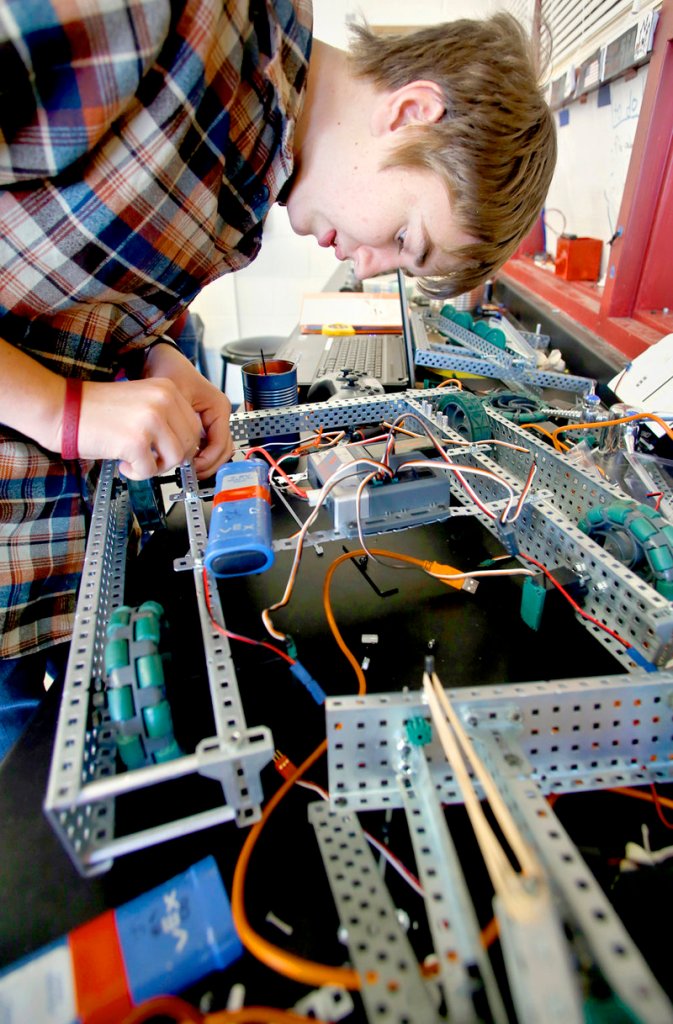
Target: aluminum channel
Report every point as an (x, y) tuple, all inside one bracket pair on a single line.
[(575, 887), (80, 753), (578, 734), (392, 990)]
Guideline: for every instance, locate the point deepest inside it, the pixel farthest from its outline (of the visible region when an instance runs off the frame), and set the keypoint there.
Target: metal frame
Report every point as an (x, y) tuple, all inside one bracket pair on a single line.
[(538, 738), (473, 354), (83, 786)]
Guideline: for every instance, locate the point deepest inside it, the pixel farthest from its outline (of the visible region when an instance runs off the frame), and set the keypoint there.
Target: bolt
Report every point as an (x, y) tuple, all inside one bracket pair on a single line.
[(472, 721), (512, 760), (403, 919), (342, 935)]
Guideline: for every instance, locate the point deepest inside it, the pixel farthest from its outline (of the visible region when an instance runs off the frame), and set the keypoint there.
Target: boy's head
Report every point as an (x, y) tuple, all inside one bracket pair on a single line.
[(493, 145)]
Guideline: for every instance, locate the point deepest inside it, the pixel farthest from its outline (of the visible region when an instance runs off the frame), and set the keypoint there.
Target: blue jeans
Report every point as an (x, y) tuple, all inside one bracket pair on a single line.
[(22, 689)]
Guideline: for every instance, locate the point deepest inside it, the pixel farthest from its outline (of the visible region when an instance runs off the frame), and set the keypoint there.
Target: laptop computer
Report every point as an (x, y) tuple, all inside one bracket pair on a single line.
[(381, 356)]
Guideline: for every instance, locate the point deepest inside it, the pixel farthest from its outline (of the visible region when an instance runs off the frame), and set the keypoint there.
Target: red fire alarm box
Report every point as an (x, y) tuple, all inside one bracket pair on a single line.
[(578, 259)]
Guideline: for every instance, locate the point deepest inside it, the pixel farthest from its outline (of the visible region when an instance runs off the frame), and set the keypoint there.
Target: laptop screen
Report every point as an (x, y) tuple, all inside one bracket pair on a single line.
[(407, 332)]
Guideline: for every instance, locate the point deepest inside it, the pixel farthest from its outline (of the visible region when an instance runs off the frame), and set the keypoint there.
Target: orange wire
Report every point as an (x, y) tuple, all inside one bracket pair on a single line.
[(289, 964), (613, 423), (259, 1015), (490, 932), (638, 794), (164, 1006), (184, 1013), (559, 445)]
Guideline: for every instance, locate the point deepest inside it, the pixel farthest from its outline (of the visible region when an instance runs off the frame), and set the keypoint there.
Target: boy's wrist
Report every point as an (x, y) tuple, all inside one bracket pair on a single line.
[(163, 339), (158, 359), (70, 424)]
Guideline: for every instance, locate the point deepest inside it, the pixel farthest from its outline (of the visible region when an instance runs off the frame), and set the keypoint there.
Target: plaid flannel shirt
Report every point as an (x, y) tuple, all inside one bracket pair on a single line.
[(142, 143)]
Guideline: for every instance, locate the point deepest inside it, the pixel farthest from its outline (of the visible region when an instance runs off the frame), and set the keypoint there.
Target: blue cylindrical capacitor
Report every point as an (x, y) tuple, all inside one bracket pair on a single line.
[(239, 536)]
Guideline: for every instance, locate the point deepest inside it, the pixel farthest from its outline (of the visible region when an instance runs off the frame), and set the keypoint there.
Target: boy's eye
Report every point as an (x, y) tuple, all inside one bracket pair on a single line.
[(400, 238)]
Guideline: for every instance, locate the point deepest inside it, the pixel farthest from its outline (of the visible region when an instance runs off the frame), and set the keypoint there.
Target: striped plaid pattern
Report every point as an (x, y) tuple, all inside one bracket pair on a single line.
[(141, 146)]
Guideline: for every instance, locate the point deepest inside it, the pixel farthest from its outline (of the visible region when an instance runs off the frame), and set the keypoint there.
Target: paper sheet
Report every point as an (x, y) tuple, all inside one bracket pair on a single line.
[(364, 312), (647, 381)]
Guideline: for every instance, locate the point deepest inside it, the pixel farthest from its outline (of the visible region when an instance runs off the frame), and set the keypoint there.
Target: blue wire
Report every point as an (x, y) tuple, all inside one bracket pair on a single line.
[(19, 705)]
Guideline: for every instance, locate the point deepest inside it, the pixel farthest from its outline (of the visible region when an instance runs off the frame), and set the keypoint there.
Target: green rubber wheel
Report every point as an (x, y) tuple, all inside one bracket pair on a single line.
[(637, 536), (119, 619), (517, 408), (168, 752), (466, 415), (147, 627)]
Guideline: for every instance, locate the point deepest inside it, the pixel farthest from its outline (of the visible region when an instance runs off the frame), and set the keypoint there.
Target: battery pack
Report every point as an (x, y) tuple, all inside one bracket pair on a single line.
[(157, 944), (239, 535)]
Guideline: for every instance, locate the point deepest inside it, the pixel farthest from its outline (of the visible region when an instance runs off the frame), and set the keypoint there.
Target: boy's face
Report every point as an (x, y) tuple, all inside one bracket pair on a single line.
[(382, 219)]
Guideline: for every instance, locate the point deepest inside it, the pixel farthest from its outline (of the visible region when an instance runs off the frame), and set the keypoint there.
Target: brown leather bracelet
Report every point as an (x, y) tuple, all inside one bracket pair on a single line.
[(71, 409)]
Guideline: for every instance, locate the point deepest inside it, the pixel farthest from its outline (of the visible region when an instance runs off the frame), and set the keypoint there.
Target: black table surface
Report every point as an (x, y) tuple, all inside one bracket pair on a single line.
[(475, 639)]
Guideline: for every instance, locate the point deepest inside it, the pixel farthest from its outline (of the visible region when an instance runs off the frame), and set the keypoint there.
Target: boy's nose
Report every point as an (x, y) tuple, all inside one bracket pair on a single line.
[(369, 261)]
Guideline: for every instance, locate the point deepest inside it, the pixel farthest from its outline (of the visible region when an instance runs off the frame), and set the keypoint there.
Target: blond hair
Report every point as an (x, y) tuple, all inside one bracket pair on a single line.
[(495, 146)]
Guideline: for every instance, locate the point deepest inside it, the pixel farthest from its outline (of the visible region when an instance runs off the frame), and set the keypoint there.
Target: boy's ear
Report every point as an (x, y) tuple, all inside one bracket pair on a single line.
[(416, 103)]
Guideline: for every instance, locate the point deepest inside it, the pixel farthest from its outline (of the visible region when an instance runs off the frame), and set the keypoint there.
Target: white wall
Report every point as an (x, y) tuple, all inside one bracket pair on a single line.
[(594, 152), (265, 298)]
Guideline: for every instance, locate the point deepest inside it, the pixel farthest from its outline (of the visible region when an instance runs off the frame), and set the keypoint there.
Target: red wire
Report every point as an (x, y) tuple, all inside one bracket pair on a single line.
[(276, 467), (580, 611), (237, 636), (660, 812)]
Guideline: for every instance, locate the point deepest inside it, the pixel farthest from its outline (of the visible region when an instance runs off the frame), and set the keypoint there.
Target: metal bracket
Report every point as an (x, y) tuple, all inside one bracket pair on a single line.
[(392, 989)]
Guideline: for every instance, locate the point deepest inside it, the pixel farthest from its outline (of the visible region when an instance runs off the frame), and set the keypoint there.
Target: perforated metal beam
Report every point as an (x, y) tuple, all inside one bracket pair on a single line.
[(578, 734), (392, 989)]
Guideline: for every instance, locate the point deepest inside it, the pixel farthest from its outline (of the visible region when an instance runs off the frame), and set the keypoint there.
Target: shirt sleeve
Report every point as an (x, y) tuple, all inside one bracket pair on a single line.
[(67, 72)]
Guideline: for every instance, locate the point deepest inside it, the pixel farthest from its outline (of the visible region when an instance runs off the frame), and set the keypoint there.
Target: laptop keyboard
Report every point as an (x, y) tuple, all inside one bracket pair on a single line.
[(363, 353)]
